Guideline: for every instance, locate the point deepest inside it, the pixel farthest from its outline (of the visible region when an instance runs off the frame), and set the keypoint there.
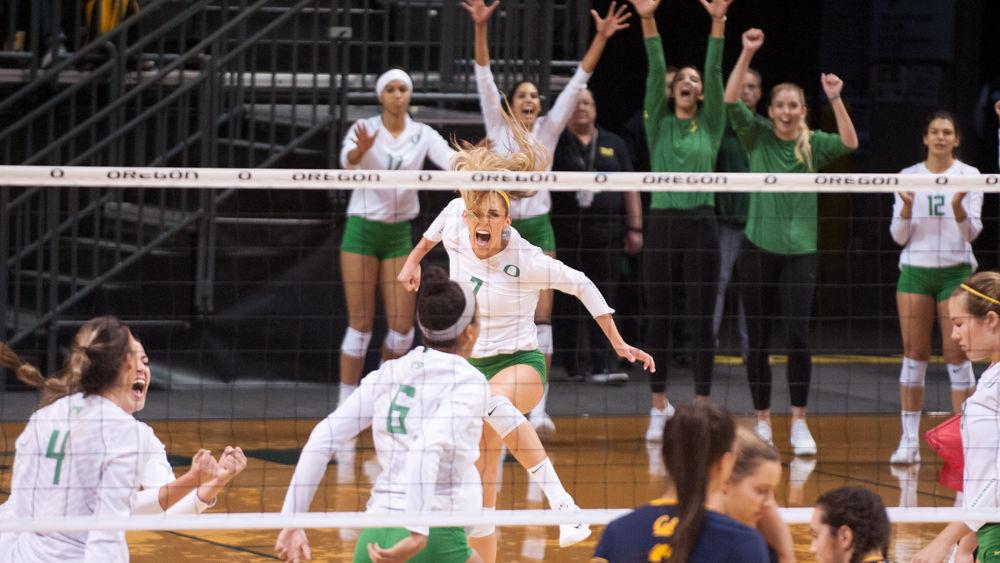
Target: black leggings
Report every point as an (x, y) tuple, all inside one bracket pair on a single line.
[(771, 283), (681, 247)]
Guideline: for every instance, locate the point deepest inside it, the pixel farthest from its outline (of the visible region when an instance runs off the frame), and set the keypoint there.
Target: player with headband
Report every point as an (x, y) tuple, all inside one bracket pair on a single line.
[(507, 274), (426, 412), (377, 236), (936, 231), (531, 213)]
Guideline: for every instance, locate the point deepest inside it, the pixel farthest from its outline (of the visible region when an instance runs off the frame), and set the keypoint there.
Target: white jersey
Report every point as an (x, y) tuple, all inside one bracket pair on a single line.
[(932, 238), (406, 152), (507, 285), (426, 411), (546, 130), (79, 456), (154, 473), (981, 445)]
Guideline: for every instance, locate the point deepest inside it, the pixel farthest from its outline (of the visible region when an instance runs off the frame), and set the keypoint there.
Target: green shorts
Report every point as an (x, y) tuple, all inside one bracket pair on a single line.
[(989, 543), (939, 283), (445, 545), (373, 238), (537, 230), (495, 364)]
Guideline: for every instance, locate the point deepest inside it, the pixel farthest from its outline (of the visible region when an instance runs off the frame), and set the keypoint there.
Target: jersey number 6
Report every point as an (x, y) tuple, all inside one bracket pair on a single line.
[(396, 421)]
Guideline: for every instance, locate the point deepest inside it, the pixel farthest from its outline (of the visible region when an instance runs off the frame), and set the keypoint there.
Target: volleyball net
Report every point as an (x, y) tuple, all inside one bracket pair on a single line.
[(232, 280)]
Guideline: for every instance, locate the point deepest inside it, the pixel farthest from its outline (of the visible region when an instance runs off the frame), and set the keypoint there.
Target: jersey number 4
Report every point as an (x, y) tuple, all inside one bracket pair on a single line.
[(58, 455), (396, 421)]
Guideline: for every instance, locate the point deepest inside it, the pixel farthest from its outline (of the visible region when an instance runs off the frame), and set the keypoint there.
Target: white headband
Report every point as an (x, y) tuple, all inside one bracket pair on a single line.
[(463, 321), (390, 75)]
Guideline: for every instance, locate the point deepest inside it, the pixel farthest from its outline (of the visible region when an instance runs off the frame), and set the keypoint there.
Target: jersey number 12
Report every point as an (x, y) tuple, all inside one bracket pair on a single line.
[(58, 455), (935, 203)]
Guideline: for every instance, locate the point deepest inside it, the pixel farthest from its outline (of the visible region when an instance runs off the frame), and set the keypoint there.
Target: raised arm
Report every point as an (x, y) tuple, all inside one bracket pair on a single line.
[(647, 15), (714, 108), (604, 28), (832, 86), (753, 40), (480, 14)]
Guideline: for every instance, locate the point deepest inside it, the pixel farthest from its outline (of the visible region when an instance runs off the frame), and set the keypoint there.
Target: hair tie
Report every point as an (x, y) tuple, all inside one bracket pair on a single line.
[(979, 294)]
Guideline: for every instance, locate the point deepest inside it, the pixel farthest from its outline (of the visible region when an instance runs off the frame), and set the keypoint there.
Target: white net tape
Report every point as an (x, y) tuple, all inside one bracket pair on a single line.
[(267, 521), (207, 178)]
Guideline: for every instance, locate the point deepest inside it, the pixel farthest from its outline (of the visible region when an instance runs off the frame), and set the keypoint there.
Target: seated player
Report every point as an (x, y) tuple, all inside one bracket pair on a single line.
[(850, 525)]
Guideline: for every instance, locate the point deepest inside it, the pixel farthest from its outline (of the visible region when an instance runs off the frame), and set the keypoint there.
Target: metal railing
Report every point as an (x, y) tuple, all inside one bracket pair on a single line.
[(170, 86)]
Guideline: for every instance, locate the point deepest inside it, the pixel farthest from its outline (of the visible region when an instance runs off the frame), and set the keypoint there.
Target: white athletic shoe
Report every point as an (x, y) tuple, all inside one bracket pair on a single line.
[(571, 534), (905, 454), (801, 439), (764, 432), (657, 420), (542, 424)]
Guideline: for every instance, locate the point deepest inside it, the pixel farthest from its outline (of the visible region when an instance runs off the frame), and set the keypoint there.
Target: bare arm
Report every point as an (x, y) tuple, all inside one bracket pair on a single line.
[(409, 275), (622, 348), (647, 15), (777, 535), (612, 22), (832, 85), (938, 549), (753, 40)]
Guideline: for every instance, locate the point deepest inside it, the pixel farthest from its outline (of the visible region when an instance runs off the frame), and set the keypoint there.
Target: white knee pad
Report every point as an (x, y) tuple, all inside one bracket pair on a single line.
[(912, 373), (482, 530), (544, 338), (397, 343), (502, 415), (355, 343), (961, 375)]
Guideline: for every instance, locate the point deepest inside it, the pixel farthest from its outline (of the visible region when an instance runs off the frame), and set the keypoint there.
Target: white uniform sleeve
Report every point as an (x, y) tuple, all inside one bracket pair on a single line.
[(553, 274), (119, 478), (998, 147), (980, 492), (560, 112), (973, 224), (154, 472), (899, 228), (330, 434), (435, 231), (464, 405), (489, 99), (438, 149)]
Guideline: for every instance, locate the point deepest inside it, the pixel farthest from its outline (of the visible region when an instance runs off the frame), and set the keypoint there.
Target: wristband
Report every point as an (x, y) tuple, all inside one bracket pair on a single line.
[(634, 230), (835, 98), (720, 20)]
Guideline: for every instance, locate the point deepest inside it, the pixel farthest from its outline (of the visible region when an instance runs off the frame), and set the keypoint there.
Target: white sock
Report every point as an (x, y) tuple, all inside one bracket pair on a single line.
[(911, 427), (345, 391), (539, 409), (545, 475)]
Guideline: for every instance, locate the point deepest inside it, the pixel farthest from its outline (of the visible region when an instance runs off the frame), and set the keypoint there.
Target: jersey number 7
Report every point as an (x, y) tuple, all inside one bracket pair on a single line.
[(58, 455)]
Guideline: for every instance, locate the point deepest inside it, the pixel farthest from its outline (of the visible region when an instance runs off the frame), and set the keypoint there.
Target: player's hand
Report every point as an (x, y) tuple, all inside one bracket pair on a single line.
[(832, 85), (363, 140), (645, 8), (753, 40), (933, 553), (399, 553), (293, 546), (204, 465), (956, 200), (633, 354), (716, 8), (613, 22), (996, 107), (409, 276), (633, 242), (479, 11), (907, 198), (231, 463)]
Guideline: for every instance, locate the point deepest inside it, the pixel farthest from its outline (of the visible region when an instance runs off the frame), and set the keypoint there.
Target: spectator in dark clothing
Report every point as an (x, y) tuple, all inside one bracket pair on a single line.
[(594, 227)]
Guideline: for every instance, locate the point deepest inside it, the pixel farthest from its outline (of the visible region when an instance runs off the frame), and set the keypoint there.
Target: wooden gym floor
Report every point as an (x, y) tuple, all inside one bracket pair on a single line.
[(601, 460)]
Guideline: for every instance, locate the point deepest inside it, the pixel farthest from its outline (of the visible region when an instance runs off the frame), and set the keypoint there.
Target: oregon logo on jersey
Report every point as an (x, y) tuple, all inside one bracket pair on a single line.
[(512, 271)]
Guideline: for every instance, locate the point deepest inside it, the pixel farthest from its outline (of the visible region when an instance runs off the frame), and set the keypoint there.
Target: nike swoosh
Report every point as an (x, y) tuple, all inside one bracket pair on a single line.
[(490, 412)]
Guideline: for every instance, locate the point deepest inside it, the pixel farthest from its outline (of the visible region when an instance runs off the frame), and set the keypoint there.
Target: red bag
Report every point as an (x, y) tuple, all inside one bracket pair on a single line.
[(946, 440)]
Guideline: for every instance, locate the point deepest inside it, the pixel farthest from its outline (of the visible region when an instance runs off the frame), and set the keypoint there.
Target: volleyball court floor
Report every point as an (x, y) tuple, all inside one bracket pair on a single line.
[(598, 450)]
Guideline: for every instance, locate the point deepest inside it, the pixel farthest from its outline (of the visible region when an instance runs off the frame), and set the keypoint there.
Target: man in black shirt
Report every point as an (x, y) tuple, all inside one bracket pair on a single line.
[(593, 229)]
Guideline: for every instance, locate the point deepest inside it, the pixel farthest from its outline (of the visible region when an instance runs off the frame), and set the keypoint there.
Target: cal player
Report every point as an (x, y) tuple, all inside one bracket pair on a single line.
[(531, 214), (426, 413), (936, 231), (83, 454), (377, 236), (507, 274)]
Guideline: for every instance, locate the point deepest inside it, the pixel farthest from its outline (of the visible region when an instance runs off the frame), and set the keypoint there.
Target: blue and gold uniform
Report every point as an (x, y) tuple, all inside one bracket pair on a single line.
[(644, 535)]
